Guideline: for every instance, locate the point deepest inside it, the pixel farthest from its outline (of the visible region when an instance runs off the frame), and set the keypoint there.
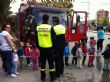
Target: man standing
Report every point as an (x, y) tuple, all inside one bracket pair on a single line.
[(45, 37), (60, 45)]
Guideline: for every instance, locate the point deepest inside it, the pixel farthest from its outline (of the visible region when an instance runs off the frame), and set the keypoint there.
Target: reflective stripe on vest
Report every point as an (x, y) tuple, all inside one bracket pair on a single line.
[(59, 29), (44, 35)]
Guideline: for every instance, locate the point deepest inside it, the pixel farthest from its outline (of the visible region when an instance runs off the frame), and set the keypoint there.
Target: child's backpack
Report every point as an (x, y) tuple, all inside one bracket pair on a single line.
[(66, 51)]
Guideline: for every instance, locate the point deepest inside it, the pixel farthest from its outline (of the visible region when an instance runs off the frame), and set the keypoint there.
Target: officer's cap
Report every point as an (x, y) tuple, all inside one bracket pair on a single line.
[(55, 18)]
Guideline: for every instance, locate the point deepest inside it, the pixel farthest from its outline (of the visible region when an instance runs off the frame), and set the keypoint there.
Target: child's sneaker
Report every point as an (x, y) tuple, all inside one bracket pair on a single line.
[(89, 65), (12, 75), (17, 73), (80, 66), (29, 65)]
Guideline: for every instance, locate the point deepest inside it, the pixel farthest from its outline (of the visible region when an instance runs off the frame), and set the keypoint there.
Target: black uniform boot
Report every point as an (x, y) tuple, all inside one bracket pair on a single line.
[(52, 76), (43, 75)]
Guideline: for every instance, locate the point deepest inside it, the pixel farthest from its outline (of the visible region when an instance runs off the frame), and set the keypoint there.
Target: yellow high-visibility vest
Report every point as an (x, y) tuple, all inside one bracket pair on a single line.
[(59, 29), (44, 35)]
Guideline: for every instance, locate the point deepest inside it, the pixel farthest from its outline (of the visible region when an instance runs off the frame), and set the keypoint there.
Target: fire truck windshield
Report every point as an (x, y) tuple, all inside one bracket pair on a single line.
[(38, 16)]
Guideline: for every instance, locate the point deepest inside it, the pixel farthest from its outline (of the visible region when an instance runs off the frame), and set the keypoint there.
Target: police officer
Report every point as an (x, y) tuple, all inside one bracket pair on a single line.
[(60, 45), (45, 42)]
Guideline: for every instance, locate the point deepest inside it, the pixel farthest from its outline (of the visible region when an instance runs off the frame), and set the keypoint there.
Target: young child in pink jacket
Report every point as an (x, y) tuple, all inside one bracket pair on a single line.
[(35, 57)]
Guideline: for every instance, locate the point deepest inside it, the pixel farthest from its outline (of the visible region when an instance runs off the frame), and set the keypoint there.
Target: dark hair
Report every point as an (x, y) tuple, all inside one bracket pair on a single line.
[(55, 18), (108, 45), (83, 43), (45, 18), (76, 43), (67, 43), (34, 46), (4, 26), (91, 37)]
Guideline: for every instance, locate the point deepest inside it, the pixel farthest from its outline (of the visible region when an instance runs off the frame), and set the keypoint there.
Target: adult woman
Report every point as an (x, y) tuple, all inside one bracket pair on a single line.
[(101, 37), (7, 47)]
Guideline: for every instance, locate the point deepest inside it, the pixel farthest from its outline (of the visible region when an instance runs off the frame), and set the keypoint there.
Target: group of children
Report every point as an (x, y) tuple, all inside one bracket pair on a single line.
[(79, 52), (28, 52)]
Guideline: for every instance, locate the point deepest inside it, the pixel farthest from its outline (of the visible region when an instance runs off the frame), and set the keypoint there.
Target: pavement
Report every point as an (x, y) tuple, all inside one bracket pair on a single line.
[(72, 74)]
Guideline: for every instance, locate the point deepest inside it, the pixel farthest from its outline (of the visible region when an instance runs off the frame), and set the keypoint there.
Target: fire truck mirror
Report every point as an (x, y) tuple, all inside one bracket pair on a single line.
[(73, 28), (78, 19), (73, 31)]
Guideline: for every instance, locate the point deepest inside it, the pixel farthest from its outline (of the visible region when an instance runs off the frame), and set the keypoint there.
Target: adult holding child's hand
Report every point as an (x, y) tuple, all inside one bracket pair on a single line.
[(7, 47)]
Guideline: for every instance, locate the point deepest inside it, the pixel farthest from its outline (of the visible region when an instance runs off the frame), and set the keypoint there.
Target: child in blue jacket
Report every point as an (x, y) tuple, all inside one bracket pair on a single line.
[(66, 54)]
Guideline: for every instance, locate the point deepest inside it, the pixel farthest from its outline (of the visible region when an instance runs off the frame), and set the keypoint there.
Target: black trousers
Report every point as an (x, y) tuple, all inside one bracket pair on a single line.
[(28, 60), (66, 60), (74, 60), (47, 53), (59, 61), (84, 58), (100, 44), (7, 61)]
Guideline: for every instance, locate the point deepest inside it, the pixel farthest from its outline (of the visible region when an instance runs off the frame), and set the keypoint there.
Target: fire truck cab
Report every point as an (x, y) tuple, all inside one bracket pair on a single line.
[(30, 16), (77, 25)]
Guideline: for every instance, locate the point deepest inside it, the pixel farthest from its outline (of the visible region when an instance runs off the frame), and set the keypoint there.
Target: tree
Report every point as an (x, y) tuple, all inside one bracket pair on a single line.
[(105, 22), (93, 23), (4, 9), (55, 3)]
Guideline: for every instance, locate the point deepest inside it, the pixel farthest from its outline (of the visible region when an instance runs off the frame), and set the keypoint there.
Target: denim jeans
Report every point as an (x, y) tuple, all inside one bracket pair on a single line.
[(14, 67)]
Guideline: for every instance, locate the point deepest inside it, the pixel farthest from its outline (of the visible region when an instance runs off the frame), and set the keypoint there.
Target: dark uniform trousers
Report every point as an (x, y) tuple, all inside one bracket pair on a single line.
[(47, 53), (59, 62)]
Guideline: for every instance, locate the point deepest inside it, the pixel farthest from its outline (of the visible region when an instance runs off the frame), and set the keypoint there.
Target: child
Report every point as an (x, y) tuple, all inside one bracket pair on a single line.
[(79, 55), (73, 51), (91, 52), (20, 53), (35, 57), (92, 41), (106, 55), (27, 54), (84, 50), (15, 64), (66, 53)]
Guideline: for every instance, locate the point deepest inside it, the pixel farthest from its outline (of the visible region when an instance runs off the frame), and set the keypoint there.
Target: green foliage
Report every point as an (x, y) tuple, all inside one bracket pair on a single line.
[(5, 9), (93, 23), (105, 22), (55, 3)]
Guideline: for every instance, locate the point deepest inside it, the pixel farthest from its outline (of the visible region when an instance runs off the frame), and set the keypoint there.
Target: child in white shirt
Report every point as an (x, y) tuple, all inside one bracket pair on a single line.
[(15, 64), (79, 55)]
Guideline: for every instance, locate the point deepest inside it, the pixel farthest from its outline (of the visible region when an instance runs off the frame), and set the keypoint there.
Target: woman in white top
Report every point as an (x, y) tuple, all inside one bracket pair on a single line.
[(7, 47)]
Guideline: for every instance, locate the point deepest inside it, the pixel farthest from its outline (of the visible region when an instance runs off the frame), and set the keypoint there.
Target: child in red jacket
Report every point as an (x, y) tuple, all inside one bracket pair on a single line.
[(84, 50), (35, 57), (27, 53)]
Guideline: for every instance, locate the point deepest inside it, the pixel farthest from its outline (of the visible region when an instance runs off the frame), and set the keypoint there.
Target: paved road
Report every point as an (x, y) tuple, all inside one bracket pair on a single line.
[(72, 73)]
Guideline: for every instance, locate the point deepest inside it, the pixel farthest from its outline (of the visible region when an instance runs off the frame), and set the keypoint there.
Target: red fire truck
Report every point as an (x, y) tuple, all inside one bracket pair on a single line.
[(30, 16)]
